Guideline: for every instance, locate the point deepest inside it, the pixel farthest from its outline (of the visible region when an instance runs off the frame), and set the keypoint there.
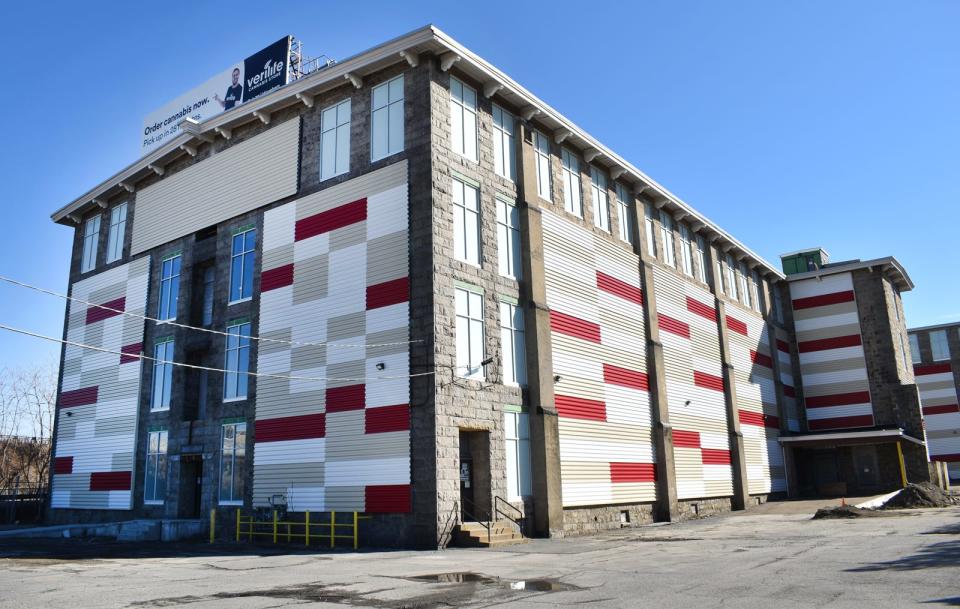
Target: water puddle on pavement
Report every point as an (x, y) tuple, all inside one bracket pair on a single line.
[(467, 577)]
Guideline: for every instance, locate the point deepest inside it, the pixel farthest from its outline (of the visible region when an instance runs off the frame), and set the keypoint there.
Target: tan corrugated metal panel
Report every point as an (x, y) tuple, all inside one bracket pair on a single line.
[(576, 262), (242, 178)]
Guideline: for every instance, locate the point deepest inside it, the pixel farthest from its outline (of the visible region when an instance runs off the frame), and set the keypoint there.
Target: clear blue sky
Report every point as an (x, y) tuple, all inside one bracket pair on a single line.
[(790, 124)]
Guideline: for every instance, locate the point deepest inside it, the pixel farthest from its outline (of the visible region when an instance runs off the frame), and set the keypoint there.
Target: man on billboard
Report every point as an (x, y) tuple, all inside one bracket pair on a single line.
[(234, 92)]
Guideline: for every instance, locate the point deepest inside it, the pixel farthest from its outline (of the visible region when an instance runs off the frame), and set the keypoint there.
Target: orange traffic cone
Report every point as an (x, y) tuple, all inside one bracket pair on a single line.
[(843, 502)]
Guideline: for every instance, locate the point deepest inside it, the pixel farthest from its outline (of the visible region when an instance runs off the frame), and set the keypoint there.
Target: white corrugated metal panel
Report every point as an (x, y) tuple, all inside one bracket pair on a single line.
[(695, 398), (94, 448), (339, 278), (599, 351), (246, 176), (941, 412)]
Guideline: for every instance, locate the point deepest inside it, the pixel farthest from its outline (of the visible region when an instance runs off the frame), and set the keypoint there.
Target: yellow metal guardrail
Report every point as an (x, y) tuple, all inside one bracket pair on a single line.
[(327, 531)]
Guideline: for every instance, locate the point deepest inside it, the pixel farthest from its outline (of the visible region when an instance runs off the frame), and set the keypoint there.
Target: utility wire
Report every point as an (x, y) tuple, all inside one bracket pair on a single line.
[(208, 368), (200, 329)]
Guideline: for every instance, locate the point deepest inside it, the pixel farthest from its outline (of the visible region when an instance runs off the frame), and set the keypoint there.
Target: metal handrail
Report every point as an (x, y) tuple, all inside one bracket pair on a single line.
[(446, 535), (497, 500), (487, 525)]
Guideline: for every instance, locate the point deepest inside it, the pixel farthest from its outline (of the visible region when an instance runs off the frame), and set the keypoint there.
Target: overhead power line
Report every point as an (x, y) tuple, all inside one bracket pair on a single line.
[(141, 356), (198, 328)]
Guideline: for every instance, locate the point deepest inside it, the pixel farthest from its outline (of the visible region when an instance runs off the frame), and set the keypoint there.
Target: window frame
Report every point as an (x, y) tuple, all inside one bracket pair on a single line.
[(686, 250), (236, 448), (471, 320), (600, 195), (512, 330), (243, 261), (239, 370), (508, 240), (116, 233), (336, 131), (702, 264), (159, 459), (544, 171), (162, 366), (916, 356), (388, 110), (570, 173), (504, 143), (745, 296), (168, 298), (462, 116), (516, 436), (734, 293), (462, 218), (90, 244), (666, 237), (625, 212), (945, 354)]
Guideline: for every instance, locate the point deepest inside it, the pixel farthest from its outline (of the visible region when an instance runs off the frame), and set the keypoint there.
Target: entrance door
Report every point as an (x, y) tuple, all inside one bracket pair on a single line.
[(865, 462), (474, 473), (191, 485)]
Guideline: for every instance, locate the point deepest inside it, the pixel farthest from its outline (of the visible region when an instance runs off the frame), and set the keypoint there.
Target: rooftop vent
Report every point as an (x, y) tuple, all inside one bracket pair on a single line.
[(804, 261)]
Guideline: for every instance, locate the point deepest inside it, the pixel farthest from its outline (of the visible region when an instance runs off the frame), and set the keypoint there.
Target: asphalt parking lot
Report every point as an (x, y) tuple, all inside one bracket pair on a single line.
[(774, 556)]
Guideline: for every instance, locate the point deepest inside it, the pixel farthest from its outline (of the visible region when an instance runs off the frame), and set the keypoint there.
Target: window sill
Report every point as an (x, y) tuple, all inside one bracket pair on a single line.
[(230, 400), (164, 409), (234, 503), (336, 175), (233, 302), (152, 502), (386, 156)]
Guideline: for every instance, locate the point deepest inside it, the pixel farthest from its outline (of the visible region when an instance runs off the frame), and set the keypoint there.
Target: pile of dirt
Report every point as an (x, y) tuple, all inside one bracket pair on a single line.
[(845, 511), (920, 495)]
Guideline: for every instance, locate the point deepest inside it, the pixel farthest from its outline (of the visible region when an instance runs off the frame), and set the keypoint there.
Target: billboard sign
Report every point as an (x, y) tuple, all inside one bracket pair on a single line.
[(259, 73)]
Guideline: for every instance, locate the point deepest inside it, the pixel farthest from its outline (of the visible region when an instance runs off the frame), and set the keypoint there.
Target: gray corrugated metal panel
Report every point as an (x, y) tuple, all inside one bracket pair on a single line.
[(364, 186), (835, 388), (836, 365), (240, 179), (828, 332), (826, 310)]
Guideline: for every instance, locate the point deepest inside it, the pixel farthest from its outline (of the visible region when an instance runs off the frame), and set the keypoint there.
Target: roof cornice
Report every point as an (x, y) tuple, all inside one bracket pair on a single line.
[(402, 48), (888, 264)]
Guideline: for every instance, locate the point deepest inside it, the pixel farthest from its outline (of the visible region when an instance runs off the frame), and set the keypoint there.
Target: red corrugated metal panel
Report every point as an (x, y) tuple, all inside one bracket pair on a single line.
[(291, 428), (633, 472), (110, 481), (387, 498), (79, 397), (99, 313), (63, 465), (331, 219), (580, 408), (823, 300), (932, 369), (837, 342), (279, 277), (620, 288), (572, 326), (388, 293), (615, 375), (386, 419), (132, 349)]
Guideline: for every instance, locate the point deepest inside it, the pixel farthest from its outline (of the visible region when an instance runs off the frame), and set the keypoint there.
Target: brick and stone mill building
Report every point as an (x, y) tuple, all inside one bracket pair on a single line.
[(404, 285)]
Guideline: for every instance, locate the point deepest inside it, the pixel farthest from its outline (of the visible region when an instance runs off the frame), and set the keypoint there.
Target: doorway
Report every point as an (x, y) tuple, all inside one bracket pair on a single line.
[(191, 486), (865, 462), (474, 473)]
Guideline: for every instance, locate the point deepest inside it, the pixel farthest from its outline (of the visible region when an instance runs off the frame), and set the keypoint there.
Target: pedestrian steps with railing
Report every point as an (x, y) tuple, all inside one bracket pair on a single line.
[(487, 534)]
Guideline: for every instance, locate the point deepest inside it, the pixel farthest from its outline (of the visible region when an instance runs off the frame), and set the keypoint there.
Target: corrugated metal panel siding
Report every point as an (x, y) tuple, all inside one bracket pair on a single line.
[(836, 393), (695, 397), (599, 351), (95, 446), (786, 379), (752, 360), (338, 264), (941, 412), (242, 178)]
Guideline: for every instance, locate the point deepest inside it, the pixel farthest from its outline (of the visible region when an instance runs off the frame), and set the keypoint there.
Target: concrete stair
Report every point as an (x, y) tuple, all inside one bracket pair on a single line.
[(474, 535)]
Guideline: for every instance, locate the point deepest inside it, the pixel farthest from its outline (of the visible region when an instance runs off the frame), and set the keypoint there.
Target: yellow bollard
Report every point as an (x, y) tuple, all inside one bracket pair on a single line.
[(903, 467), (333, 528), (274, 526), (306, 529), (355, 530), (213, 523), (238, 524)]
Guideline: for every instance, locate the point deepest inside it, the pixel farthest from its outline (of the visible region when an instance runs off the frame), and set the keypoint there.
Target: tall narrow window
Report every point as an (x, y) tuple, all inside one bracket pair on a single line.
[(335, 140), (463, 119), (513, 344), (387, 120), (118, 229), (541, 149), (572, 195), (504, 150), (745, 285), (155, 476), (516, 435), (777, 302), (625, 213), (169, 287), (209, 277), (915, 349), (469, 331), (601, 203), (91, 240), (757, 291), (162, 375), (701, 258), (466, 222), (508, 239), (237, 361), (732, 278), (241, 264), (233, 452), (648, 229), (666, 237), (939, 348), (686, 250)]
